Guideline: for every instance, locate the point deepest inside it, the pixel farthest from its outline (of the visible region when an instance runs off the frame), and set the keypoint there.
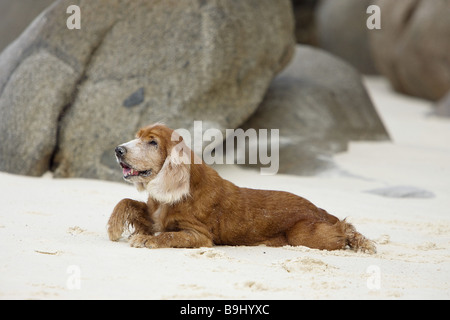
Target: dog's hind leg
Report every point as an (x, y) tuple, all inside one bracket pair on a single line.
[(129, 213)]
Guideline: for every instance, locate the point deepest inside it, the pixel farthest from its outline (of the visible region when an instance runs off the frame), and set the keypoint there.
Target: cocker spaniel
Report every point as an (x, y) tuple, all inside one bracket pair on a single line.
[(189, 205)]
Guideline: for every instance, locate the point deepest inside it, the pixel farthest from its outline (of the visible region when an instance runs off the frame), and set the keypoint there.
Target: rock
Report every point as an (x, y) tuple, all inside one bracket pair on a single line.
[(319, 104), (412, 48), (29, 117), (39, 73), (402, 192), (134, 63), (341, 30)]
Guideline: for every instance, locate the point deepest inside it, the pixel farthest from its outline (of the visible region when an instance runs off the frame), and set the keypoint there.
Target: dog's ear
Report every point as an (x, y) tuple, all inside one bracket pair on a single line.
[(172, 183)]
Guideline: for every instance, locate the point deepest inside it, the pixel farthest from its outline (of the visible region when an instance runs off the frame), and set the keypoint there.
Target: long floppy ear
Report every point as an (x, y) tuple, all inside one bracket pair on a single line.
[(172, 183)]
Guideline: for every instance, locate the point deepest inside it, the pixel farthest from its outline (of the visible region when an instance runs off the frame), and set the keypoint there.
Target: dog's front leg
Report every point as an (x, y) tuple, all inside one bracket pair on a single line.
[(129, 213), (178, 239)]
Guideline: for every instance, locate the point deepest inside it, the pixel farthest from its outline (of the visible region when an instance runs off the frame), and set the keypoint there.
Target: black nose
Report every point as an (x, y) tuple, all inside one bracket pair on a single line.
[(120, 151)]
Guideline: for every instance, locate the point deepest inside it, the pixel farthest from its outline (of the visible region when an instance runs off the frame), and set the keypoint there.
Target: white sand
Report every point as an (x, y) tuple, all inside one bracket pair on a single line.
[(53, 241)]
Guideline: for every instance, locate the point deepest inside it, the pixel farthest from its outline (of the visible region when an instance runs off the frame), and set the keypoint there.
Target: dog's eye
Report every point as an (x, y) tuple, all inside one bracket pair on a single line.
[(153, 143)]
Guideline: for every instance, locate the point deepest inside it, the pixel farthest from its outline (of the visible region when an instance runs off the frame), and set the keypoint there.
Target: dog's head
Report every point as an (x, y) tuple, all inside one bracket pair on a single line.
[(158, 161)]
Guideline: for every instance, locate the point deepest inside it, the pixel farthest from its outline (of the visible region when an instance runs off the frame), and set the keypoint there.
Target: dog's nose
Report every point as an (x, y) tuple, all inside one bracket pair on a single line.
[(120, 151)]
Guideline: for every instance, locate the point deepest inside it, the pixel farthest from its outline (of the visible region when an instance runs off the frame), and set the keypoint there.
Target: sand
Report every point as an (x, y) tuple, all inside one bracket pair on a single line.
[(54, 245)]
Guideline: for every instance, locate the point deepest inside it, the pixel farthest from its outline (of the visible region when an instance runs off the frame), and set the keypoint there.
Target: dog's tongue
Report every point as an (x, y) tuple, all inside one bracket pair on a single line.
[(126, 171), (130, 172)]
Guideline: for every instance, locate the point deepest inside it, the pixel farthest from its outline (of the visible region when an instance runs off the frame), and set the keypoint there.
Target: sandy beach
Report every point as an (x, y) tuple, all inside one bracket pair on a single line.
[(54, 245)]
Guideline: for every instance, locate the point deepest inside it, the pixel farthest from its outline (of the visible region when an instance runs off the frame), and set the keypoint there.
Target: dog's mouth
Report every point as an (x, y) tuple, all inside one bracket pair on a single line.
[(129, 172)]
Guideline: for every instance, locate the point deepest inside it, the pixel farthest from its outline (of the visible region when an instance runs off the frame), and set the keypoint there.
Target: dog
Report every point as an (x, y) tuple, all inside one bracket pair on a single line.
[(190, 206)]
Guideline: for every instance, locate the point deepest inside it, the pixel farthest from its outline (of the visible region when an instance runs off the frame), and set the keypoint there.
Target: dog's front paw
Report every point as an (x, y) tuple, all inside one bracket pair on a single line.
[(141, 241)]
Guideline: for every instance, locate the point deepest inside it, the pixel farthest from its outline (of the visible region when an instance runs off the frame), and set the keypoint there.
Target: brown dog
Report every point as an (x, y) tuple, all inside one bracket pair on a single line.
[(190, 205)]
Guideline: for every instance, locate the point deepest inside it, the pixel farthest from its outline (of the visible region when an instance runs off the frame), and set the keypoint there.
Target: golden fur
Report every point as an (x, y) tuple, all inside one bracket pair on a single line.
[(189, 205)]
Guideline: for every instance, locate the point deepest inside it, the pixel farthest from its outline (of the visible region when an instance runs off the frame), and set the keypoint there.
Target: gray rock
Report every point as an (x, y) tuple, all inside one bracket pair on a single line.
[(319, 104), (134, 63), (29, 119), (341, 30), (402, 192), (39, 74), (412, 48)]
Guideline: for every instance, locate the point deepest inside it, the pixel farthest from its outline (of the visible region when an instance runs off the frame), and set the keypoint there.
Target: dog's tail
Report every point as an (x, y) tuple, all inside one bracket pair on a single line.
[(326, 232), (356, 240)]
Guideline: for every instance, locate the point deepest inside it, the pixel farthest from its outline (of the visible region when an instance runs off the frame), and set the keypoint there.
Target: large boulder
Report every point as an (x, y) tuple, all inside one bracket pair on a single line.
[(68, 97), (319, 104), (412, 48)]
